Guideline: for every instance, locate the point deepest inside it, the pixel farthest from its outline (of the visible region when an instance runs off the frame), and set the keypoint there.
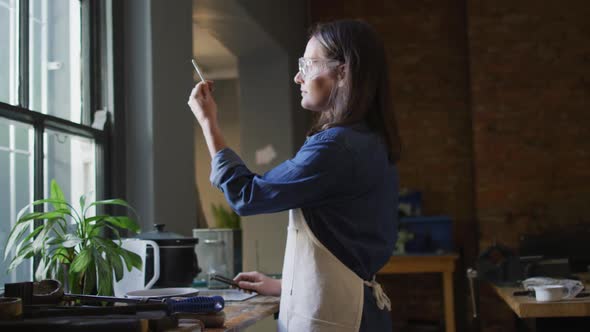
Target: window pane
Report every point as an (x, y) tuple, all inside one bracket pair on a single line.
[(8, 51), (16, 187), (70, 160), (55, 58)]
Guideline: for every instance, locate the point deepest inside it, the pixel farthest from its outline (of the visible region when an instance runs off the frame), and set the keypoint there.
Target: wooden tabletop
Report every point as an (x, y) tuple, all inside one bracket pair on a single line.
[(528, 307), (239, 315)]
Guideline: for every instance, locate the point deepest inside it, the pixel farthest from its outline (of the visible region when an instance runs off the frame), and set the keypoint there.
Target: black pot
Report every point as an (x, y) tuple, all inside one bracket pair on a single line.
[(178, 261)]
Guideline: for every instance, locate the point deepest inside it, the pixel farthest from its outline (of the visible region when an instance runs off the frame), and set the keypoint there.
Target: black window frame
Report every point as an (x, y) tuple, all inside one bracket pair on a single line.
[(94, 62)]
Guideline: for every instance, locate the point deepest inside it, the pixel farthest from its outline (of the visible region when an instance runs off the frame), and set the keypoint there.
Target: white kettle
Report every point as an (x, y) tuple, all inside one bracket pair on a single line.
[(135, 279)]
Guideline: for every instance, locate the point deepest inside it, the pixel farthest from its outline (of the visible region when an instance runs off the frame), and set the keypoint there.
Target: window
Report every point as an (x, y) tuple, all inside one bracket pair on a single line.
[(70, 160), (16, 183), (50, 83), (55, 58), (8, 50)]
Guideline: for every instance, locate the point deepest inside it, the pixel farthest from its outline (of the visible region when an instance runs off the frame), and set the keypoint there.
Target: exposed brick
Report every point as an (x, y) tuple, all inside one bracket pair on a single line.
[(427, 51), (492, 98)]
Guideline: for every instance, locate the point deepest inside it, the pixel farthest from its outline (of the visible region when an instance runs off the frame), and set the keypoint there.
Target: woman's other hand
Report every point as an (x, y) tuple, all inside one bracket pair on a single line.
[(202, 103), (259, 283)]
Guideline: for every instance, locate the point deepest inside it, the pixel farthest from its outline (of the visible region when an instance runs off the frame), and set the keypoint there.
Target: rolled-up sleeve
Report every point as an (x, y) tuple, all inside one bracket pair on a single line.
[(319, 172)]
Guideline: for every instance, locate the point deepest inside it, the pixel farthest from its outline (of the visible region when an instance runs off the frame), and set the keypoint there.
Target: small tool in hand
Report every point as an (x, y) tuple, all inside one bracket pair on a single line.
[(198, 70), (228, 281)]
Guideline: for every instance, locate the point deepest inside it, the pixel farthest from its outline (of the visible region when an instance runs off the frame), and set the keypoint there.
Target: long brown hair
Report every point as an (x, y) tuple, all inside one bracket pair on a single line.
[(365, 94)]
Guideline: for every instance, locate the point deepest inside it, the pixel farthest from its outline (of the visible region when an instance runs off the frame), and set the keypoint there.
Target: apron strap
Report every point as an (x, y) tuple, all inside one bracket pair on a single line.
[(382, 300)]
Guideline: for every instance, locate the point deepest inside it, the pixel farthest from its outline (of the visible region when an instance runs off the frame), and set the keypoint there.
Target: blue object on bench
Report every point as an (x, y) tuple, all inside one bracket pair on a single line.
[(200, 304), (432, 234)]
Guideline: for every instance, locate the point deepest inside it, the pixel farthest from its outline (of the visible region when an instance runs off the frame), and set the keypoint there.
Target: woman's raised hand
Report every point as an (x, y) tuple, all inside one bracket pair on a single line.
[(259, 283), (202, 103)]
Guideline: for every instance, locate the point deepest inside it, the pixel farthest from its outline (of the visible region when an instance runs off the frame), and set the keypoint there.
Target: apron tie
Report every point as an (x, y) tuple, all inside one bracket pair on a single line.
[(382, 300)]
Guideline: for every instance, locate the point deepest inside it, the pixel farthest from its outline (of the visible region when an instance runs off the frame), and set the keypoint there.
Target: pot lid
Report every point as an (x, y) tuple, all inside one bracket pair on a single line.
[(167, 238)]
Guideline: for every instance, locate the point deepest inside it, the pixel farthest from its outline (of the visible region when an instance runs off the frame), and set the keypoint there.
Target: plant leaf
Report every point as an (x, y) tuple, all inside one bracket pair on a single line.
[(82, 204), (41, 241), (29, 237), (16, 233), (29, 216), (82, 260), (89, 280), (55, 214), (105, 276), (131, 259), (41, 201), (21, 226), (94, 230), (42, 268), (105, 243), (117, 264), (123, 222), (57, 194), (95, 218), (74, 282), (115, 201), (24, 253), (58, 270), (60, 253), (70, 241)]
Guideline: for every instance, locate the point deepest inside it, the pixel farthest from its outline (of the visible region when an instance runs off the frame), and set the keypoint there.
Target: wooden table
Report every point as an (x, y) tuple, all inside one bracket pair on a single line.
[(239, 315), (528, 307), (564, 316), (444, 264)]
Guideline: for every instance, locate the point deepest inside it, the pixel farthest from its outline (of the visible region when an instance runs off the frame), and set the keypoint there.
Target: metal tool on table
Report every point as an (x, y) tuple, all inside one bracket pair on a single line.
[(227, 281), (51, 292), (161, 314)]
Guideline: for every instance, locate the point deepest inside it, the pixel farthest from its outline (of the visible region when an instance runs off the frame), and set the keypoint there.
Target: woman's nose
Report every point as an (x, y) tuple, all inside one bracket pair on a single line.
[(298, 78)]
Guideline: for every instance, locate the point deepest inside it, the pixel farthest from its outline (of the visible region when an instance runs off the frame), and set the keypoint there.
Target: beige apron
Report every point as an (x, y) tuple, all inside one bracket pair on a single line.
[(318, 292)]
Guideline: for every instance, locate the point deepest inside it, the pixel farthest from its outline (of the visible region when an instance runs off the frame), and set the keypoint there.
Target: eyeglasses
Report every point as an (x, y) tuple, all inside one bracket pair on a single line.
[(308, 70)]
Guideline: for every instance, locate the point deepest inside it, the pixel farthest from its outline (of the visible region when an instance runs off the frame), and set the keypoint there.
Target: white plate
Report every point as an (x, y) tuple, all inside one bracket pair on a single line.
[(162, 292)]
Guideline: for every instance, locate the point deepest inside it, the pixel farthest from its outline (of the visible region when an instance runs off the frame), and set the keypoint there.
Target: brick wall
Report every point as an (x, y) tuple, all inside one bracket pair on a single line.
[(530, 87), (426, 44), (530, 68), (492, 101)]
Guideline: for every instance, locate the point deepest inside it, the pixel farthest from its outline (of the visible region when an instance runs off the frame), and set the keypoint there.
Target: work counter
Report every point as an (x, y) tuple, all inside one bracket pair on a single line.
[(528, 307), (571, 315), (240, 315)]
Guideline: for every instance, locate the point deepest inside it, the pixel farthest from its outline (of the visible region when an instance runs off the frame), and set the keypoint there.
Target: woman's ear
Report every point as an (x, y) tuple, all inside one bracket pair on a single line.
[(341, 74)]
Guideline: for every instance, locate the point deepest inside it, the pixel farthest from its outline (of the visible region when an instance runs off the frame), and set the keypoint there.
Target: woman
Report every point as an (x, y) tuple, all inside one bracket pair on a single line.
[(340, 188)]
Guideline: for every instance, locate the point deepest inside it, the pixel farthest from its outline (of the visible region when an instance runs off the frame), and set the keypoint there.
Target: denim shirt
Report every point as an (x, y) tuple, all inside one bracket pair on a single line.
[(343, 182), (347, 189)]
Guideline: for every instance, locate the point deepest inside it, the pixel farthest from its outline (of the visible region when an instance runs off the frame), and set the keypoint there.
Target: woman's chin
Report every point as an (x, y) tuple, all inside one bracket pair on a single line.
[(310, 106)]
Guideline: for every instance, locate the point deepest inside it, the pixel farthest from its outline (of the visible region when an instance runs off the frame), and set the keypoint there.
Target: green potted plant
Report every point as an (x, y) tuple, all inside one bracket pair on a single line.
[(71, 246), (224, 217)]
